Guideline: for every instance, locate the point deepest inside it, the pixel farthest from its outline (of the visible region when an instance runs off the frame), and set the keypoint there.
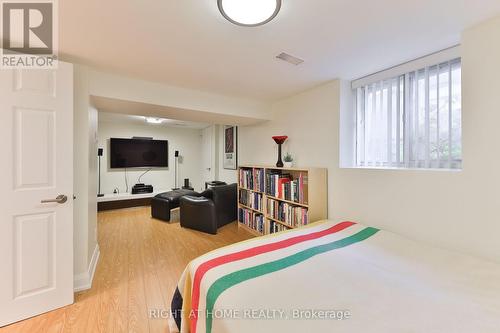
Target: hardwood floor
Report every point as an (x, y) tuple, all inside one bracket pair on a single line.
[(140, 263)]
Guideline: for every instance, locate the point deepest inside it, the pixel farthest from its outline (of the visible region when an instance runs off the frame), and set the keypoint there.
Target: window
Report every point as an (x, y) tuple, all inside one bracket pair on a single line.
[(412, 120)]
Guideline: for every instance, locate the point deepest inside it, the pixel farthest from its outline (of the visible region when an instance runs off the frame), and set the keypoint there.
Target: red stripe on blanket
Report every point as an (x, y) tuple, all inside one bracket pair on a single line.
[(208, 265)]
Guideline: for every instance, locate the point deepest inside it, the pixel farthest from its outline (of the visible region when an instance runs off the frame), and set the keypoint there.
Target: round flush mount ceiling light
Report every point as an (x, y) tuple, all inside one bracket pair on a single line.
[(249, 13), (152, 120)]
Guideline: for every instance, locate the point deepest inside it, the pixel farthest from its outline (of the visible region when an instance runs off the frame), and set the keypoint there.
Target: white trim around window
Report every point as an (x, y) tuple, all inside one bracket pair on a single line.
[(412, 119)]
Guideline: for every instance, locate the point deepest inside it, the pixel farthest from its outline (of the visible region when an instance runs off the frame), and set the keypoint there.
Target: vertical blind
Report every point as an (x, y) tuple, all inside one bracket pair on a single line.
[(412, 120)]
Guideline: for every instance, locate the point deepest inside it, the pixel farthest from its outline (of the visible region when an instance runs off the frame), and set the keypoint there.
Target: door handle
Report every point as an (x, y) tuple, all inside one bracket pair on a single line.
[(61, 198)]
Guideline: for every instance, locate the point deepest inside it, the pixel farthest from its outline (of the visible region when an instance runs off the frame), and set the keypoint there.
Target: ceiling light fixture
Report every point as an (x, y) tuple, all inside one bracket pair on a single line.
[(249, 13), (151, 120)]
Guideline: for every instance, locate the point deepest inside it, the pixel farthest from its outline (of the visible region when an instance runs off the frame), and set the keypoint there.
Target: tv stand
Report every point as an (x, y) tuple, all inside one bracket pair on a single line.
[(125, 200)]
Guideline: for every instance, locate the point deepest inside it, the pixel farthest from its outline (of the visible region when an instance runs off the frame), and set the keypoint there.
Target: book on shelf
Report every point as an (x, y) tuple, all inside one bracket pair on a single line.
[(287, 187), (251, 199), (282, 183), (276, 227), (251, 219), (289, 214), (258, 175), (252, 179)]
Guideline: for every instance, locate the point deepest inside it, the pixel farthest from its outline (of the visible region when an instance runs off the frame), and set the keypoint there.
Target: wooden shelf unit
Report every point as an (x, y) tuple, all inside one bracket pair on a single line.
[(315, 194)]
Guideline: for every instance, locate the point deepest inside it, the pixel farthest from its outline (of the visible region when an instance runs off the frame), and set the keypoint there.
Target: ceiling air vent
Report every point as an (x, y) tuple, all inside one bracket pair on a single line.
[(289, 58)]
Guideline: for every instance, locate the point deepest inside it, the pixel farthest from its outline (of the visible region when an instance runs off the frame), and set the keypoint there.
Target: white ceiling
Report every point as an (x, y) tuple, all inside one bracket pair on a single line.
[(188, 43), (140, 120)]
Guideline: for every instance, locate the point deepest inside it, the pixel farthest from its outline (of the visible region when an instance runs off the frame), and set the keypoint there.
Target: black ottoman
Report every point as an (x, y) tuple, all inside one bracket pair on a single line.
[(162, 203)]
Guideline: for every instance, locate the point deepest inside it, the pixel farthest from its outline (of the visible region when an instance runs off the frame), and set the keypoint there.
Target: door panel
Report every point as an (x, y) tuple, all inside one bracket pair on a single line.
[(35, 81), (34, 254), (34, 141), (36, 239)]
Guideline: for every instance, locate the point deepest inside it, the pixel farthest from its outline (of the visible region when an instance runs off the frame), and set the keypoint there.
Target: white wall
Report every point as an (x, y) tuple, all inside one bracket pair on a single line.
[(81, 174), (85, 204), (209, 167), (309, 119), (455, 210), (92, 189), (186, 141), (225, 175)]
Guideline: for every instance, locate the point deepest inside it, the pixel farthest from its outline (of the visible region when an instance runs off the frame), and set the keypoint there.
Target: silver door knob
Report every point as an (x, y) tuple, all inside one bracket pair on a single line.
[(61, 198)]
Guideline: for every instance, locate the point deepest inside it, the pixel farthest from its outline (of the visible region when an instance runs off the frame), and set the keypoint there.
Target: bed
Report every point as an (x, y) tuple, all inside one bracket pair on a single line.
[(336, 277)]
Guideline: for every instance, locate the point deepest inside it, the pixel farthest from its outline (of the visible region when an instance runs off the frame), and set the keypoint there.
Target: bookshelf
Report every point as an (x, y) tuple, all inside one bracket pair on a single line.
[(272, 199)]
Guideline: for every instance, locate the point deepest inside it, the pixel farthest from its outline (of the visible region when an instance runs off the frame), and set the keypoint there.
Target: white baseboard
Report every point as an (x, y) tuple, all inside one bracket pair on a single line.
[(83, 281)]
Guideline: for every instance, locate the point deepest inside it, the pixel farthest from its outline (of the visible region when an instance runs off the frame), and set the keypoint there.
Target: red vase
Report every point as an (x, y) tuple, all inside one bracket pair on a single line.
[(280, 139)]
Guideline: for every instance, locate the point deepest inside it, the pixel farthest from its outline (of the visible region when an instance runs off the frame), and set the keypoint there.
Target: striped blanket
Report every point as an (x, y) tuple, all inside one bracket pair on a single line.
[(329, 276)]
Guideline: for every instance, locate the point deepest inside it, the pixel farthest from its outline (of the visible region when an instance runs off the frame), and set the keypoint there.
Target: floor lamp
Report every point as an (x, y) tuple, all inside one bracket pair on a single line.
[(99, 154), (176, 167)]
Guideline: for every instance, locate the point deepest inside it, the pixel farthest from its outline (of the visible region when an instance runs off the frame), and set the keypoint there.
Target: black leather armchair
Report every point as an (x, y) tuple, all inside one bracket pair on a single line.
[(216, 207)]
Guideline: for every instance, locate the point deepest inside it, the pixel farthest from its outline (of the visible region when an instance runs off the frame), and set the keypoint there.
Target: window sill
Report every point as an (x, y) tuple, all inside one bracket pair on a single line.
[(402, 169)]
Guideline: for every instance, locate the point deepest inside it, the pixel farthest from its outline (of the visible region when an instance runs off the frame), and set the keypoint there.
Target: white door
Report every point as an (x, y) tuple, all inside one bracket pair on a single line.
[(36, 239), (207, 161)]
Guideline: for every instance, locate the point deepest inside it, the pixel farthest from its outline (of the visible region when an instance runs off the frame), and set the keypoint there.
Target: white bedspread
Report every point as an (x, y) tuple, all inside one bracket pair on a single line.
[(384, 283)]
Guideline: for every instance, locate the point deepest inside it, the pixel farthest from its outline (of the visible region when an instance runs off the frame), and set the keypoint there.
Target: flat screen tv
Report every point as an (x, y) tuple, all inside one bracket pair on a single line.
[(138, 153)]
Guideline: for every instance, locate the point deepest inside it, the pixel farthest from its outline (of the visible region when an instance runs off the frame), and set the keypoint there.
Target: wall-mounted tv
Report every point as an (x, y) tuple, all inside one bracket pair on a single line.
[(138, 153)]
